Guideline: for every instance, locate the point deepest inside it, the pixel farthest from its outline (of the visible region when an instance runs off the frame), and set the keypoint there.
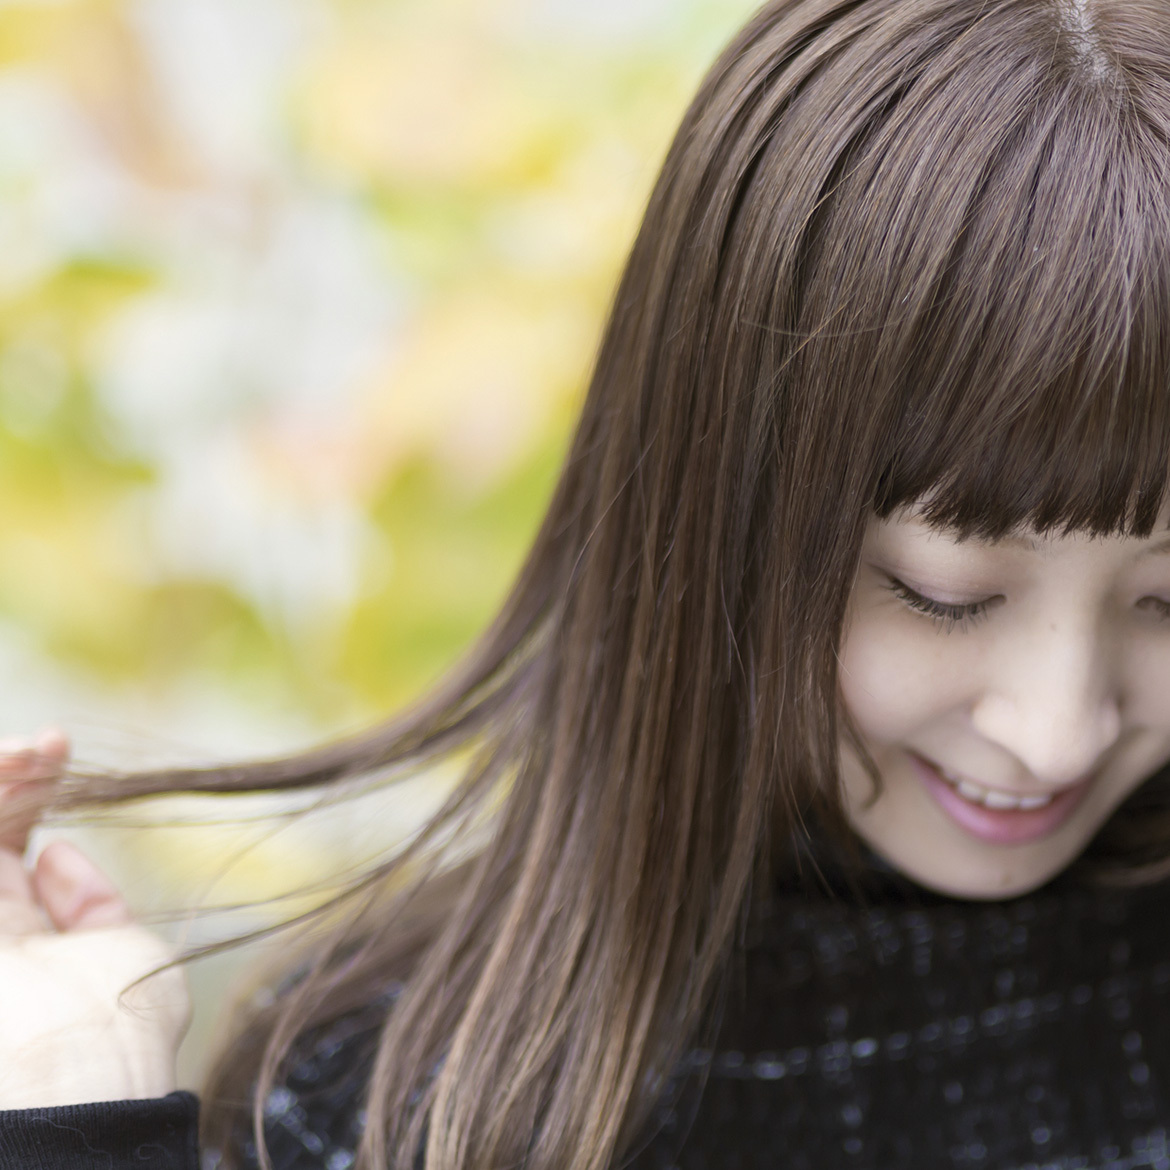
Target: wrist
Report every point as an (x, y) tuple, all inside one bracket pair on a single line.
[(78, 1071)]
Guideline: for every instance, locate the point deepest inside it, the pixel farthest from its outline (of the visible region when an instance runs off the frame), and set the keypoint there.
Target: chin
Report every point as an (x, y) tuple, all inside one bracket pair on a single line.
[(983, 878), (992, 889)]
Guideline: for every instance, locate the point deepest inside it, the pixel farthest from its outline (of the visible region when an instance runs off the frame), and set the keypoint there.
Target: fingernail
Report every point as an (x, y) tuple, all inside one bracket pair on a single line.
[(50, 740)]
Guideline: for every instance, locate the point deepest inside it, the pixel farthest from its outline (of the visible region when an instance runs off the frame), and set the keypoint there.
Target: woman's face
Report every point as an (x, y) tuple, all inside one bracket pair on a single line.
[(1012, 694)]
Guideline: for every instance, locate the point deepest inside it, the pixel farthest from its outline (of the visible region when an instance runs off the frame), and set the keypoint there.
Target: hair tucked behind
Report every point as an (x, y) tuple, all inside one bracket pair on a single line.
[(899, 250)]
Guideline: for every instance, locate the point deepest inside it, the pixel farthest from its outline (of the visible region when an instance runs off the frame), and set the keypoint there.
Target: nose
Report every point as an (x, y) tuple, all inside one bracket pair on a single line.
[(1053, 706)]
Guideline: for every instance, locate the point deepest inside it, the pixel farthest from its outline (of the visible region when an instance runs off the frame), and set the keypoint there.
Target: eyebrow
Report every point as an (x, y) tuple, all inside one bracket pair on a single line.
[(1024, 542), (1162, 548)]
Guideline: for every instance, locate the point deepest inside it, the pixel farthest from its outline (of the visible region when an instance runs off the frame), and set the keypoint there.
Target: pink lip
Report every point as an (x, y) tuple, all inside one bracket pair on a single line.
[(999, 826)]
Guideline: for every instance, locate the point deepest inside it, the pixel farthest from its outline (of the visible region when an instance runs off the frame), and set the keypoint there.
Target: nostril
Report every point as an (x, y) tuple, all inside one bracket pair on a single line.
[(1060, 748)]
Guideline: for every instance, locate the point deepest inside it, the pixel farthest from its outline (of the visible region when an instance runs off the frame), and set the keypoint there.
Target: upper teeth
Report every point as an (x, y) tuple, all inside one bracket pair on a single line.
[(992, 799)]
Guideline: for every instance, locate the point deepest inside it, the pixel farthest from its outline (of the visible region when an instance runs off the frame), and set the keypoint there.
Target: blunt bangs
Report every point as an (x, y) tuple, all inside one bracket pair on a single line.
[(991, 298)]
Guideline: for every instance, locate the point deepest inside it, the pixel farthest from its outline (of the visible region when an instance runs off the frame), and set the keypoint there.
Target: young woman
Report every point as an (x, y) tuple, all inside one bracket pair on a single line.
[(816, 800)]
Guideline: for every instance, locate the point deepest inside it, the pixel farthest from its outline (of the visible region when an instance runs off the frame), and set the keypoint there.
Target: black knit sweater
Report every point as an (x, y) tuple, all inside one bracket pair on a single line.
[(905, 1031)]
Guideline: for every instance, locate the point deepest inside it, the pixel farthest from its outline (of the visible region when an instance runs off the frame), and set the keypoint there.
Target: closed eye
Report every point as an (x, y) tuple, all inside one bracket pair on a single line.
[(947, 615), (1160, 607)]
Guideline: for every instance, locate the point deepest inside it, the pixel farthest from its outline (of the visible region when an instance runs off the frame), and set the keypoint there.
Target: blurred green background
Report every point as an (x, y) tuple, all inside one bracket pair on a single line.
[(297, 303)]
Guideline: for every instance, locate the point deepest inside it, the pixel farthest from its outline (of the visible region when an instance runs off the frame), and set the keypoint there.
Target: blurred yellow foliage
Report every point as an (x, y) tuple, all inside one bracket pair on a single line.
[(297, 305), (298, 301)]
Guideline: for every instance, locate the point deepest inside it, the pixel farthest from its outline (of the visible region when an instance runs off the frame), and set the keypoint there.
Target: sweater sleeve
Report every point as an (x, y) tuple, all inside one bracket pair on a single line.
[(160, 1134)]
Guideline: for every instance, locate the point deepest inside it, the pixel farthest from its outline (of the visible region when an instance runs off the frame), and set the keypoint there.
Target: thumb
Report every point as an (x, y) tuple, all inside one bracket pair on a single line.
[(75, 894)]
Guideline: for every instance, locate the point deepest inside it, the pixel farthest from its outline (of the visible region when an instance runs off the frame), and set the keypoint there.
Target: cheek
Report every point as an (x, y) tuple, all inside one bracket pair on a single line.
[(895, 681), (1147, 684)]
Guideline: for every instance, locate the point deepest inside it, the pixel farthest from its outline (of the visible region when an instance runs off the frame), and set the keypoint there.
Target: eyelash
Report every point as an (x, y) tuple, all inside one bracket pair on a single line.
[(963, 617), (948, 617), (1160, 607)]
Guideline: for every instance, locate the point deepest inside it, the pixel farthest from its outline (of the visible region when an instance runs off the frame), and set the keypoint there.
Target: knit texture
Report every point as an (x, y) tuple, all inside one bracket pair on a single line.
[(110, 1135), (895, 1031), (1028, 1035)]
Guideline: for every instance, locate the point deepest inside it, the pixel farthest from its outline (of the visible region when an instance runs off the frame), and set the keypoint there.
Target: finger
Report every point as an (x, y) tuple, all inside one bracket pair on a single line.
[(17, 756), (26, 767), (19, 913), (14, 837), (75, 894), (22, 802), (26, 770), (37, 758), (52, 743), (14, 879)]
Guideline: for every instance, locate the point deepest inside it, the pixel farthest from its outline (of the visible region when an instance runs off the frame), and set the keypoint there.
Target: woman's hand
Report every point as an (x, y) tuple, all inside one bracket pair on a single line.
[(68, 949)]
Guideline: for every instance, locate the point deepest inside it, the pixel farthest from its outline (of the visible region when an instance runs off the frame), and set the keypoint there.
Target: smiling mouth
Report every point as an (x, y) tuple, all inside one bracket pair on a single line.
[(993, 815), (992, 798)]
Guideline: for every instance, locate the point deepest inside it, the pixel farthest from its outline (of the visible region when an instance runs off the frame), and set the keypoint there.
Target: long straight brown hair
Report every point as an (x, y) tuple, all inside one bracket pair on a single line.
[(900, 250)]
